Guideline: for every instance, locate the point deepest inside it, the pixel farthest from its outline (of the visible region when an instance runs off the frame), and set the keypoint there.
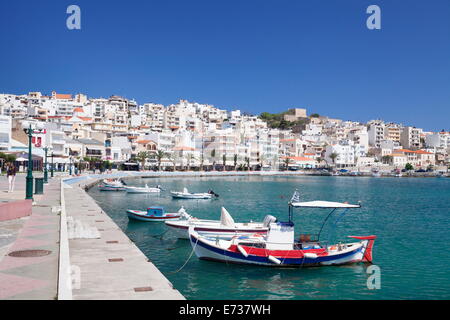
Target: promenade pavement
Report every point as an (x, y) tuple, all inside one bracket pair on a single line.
[(30, 278)]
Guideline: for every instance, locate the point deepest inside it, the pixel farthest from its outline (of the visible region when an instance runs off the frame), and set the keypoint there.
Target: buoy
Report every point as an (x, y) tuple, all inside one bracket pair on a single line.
[(242, 250), (274, 260), (310, 255)]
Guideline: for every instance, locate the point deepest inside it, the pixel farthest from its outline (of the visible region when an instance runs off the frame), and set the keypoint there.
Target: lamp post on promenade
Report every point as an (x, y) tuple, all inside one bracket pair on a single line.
[(45, 166), (30, 130), (51, 170)]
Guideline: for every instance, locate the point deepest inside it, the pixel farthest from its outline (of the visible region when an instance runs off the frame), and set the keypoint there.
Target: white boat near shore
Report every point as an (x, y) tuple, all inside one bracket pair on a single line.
[(145, 189), (223, 228), (185, 194)]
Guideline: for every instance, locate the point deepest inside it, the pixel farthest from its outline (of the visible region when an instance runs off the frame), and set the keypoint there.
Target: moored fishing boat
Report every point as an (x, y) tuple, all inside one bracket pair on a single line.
[(185, 194), (111, 185), (223, 228), (153, 214), (279, 248), (376, 173), (145, 189)]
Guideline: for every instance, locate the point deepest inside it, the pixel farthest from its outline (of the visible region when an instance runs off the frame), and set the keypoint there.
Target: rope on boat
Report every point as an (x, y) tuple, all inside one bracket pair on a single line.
[(190, 256)]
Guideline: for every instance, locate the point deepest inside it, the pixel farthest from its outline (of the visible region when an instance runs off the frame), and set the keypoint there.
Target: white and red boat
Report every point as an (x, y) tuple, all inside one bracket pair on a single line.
[(153, 214), (111, 185), (223, 228), (279, 248)]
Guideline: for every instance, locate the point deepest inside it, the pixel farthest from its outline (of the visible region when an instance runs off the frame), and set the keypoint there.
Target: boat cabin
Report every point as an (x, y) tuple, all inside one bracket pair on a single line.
[(155, 211)]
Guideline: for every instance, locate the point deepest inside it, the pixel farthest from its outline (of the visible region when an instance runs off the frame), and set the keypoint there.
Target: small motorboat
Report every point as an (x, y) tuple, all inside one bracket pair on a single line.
[(280, 249), (145, 189), (111, 185), (223, 228), (185, 194), (154, 214), (376, 174)]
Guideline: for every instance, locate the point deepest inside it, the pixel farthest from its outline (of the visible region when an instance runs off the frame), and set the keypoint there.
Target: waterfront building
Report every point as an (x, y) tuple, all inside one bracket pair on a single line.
[(5, 133), (376, 133), (410, 138), (345, 154)]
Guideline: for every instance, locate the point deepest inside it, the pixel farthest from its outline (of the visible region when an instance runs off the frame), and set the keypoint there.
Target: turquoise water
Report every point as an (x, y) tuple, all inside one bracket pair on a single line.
[(410, 216)]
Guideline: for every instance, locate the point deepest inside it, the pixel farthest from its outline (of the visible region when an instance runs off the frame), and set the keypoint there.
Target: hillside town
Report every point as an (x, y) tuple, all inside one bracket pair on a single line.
[(118, 133)]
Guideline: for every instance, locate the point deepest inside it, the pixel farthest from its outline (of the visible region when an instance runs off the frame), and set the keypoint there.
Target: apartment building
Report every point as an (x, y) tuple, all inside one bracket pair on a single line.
[(410, 138)]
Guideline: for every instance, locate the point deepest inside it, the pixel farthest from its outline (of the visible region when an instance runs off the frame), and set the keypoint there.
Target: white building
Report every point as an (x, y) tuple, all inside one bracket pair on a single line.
[(5, 133)]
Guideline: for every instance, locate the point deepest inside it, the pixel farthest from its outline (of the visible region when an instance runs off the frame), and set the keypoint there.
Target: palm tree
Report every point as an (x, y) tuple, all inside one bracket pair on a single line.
[(262, 159), (213, 157), (174, 158), (224, 160), (142, 158), (319, 160), (190, 157), (247, 160), (159, 155), (333, 156), (386, 159), (287, 161)]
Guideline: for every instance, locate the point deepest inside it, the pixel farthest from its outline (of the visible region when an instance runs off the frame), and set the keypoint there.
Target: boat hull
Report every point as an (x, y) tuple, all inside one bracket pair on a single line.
[(206, 250), (110, 188), (179, 195), (142, 190), (142, 216)]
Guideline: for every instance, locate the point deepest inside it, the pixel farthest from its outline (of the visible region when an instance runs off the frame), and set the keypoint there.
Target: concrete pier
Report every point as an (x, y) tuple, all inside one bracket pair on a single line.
[(87, 256), (105, 264)]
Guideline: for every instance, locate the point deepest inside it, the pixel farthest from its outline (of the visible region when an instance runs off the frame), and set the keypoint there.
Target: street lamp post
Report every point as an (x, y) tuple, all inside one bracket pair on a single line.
[(29, 130), (51, 170), (45, 166)]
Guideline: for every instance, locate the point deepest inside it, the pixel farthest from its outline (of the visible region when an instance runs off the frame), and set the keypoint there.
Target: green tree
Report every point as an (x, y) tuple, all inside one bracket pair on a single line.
[(409, 166), (386, 159), (333, 157), (213, 157), (159, 155), (247, 161), (174, 159), (190, 157), (224, 160), (235, 159), (287, 162), (142, 158)]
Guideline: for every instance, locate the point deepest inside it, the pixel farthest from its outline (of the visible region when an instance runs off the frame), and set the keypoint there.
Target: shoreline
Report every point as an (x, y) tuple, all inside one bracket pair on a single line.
[(92, 179)]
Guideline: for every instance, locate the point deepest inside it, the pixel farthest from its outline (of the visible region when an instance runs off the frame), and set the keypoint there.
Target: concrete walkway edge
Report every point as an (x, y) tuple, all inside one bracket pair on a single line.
[(64, 278)]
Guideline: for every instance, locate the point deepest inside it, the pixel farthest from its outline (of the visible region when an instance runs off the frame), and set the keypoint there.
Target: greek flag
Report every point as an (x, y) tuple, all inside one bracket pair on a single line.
[(295, 197)]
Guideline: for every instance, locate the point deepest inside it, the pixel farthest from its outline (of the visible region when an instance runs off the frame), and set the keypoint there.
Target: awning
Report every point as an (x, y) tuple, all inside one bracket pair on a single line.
[(324, 204)]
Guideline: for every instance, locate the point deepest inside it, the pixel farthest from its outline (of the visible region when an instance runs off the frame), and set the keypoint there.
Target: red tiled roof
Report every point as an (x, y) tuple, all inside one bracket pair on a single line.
[(422, 152), (287, 140), (300, 158), (144, 141), (63, 96)]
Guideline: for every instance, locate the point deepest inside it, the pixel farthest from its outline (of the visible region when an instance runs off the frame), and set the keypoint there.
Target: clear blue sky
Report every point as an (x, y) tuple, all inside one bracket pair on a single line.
[(253, 55)]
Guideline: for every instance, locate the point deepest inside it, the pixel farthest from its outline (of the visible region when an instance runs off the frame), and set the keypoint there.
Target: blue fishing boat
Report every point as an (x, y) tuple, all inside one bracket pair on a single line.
[(154, 214)]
